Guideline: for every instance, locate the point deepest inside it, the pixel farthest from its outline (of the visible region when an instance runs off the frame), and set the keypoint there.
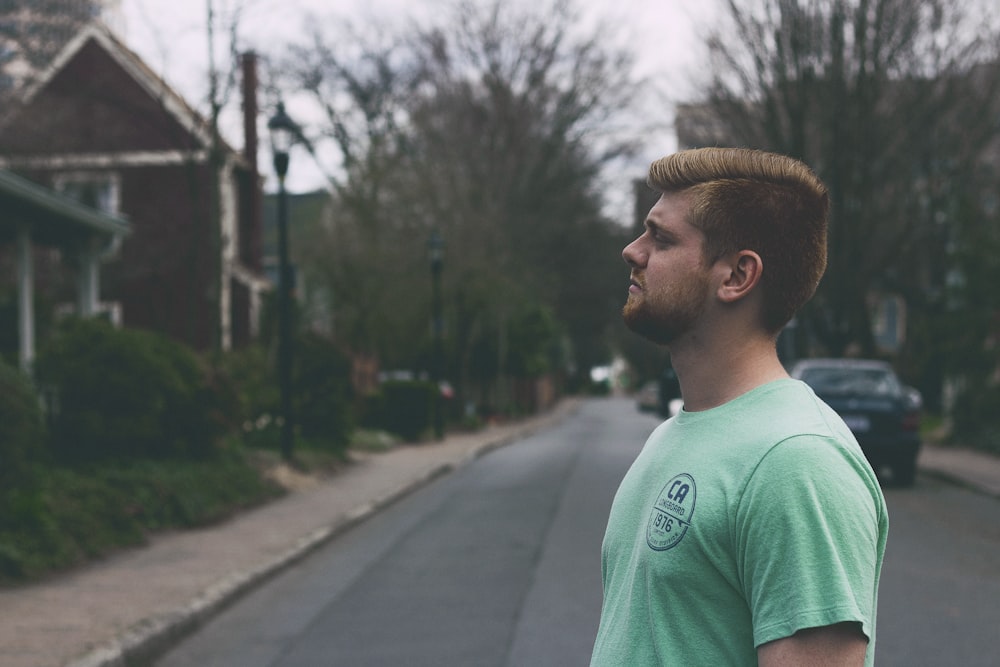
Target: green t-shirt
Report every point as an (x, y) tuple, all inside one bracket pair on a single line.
[(737, 526)]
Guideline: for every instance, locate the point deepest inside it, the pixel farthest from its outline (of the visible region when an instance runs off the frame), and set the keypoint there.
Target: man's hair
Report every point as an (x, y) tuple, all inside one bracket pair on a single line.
[(744, 199)]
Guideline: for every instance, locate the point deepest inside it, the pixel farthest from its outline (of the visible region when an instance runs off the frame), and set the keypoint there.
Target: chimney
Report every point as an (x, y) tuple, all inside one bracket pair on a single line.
[(249, 65), (253, 221)]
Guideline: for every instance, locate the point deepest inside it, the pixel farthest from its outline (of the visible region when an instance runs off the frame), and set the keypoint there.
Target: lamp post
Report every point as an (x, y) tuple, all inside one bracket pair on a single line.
[(435, 252), (284, 132)]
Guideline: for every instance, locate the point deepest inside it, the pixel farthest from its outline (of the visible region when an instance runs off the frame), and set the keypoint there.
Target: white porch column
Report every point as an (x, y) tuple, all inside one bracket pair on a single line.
[(255, 308), (228, 243), (89, 280), (25, 299)]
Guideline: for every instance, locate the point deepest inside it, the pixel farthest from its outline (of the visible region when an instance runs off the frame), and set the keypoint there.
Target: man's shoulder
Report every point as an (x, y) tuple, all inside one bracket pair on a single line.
[(794, 404), (781, 409), (749, 427)]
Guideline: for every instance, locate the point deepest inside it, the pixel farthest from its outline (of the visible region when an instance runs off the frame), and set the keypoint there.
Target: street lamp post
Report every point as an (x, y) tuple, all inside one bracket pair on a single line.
[(284, 132), (435, 251)]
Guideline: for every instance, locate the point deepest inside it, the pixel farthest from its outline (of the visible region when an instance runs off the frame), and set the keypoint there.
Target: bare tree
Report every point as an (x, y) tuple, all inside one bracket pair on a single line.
[(889, 100), (32, 32), (513, 133), (487, 124), (369, 249)]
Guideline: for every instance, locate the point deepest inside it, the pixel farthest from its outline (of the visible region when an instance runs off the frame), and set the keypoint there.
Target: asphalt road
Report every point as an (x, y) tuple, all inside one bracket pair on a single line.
[(499, 564), (939, 600)]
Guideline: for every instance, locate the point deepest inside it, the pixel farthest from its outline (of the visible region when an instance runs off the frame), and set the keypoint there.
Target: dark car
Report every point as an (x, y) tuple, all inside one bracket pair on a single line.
[(647, 399), (661, 396), (883, 414)]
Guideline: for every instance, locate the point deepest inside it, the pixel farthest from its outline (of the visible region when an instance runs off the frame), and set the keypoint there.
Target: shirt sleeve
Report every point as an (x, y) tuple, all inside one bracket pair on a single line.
[(809, 534)]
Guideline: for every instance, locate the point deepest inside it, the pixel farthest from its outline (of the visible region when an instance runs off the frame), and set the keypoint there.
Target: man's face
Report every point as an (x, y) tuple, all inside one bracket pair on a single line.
[(669, 280)]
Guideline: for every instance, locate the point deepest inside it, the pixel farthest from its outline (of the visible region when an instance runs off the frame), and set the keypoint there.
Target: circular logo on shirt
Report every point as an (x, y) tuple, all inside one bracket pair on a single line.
[(671, 514)]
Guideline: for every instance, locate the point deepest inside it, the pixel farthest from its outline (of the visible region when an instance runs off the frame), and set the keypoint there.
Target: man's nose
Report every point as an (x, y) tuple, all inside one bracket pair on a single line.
[(633, 254)]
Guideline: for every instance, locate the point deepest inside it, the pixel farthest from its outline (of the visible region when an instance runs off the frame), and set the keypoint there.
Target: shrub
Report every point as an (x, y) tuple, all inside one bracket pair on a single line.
[(251, 373), (22, 438), (88, 511), (974, 417), (407, 407), (323, 393), (370, 411), (22, 432), (126, 394)]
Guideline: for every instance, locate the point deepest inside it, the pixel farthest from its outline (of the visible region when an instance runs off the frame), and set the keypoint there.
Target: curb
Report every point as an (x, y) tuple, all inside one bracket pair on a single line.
[(968, 468), (958, 480), (150, 638)]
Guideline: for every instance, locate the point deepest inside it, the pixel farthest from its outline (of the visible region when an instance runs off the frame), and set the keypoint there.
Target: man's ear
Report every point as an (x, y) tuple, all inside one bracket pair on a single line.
[(742, 272)]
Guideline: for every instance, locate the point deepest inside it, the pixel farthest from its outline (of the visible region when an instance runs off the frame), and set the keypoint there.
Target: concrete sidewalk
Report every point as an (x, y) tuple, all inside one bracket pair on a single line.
[(973, 469), (136, 604)]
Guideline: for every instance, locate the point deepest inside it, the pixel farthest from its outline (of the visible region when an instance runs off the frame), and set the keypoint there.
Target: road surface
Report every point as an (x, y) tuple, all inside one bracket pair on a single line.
[(499, 564)]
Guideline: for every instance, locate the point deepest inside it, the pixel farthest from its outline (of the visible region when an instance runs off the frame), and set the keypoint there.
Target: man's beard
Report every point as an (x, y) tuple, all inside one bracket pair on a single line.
[(665, 317)]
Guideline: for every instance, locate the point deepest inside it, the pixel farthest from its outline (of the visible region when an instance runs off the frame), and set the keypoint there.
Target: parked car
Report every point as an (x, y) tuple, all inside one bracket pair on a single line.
[(661, 396), (883, 414), (647, 399)]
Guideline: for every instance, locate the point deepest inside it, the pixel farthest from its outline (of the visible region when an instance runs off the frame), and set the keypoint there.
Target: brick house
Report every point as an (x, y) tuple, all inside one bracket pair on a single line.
[(101, 127)]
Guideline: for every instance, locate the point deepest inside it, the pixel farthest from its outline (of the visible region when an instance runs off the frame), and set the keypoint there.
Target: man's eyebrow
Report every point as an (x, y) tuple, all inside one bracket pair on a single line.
[(658, 229)]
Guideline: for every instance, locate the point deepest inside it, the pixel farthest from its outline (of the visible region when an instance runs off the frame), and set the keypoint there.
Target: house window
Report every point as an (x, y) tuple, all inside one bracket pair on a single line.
[(98, 190)]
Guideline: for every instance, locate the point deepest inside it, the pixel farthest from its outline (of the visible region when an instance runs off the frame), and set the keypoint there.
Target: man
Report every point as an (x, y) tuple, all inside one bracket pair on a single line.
[(750, 529)]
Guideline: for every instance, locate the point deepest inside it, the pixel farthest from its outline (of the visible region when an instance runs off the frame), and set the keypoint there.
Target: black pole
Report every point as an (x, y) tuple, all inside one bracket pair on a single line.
[(284, 315), (284, 133), (438, 331)]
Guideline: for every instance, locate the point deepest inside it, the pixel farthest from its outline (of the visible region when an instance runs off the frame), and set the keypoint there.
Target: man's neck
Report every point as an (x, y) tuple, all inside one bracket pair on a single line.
[(713, 374)]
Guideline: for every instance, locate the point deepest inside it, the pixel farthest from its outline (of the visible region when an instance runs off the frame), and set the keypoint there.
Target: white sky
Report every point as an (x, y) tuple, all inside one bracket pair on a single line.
[(171, 36)]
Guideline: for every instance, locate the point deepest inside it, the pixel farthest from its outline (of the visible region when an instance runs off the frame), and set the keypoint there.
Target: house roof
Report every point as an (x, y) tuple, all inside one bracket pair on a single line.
[(54, 219), (154, 85), (46, 100)]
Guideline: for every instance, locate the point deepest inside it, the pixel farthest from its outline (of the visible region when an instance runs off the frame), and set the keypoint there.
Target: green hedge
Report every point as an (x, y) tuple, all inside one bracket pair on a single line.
[(22, 430), (81, 513), (323, 392), (22, 438), (406, 408), (126, 394), (252, 374)]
